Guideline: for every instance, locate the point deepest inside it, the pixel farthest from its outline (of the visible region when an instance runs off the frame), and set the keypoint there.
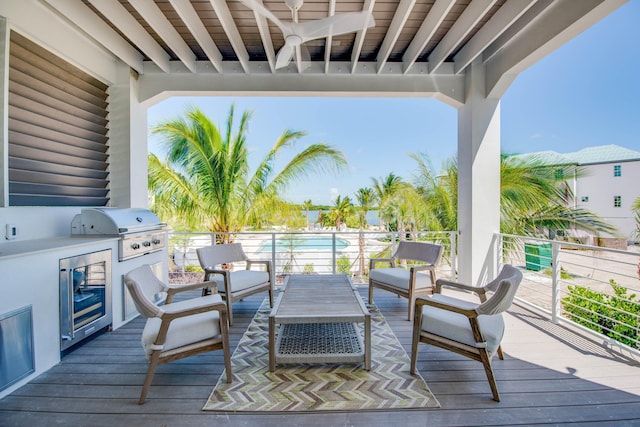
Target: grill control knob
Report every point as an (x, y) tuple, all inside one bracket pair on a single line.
[(135, 246), (146, 243), (156, 241)]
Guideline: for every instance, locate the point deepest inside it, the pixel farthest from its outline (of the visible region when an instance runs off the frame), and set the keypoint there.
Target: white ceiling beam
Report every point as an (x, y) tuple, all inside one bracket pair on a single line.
[(196, 27), (397, 23), (265, 35), (511, 11), (116, 13), (559, 23), (465, 23), (84, 18), (521, 24), (156, 85), (360, 35), (151, 13), (230, 28), (429, 26), (327, 45)]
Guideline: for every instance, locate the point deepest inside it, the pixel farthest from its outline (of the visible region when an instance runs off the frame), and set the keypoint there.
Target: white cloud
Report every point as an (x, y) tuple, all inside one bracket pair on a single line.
[(334, 193)]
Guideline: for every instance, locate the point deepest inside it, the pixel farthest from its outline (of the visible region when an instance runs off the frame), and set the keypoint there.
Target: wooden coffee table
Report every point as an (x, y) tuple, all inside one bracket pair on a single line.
[(318, 316)]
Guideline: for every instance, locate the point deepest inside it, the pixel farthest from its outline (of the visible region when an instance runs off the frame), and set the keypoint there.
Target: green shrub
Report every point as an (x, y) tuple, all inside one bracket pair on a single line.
[(344, 264), (308, 268), (563, 273), (615, 316), (192, 268)]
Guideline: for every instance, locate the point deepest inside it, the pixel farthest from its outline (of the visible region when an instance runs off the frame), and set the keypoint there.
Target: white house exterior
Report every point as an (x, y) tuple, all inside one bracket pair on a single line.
[(607, 184)]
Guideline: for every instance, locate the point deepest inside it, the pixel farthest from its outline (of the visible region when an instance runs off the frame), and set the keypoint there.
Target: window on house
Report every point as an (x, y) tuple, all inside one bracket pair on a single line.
[(585, 199), (617, 201), (617, 170), (559, 174)]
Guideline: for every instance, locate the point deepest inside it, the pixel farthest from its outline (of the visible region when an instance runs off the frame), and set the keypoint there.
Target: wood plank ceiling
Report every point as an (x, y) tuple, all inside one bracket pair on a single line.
[(432, 36)]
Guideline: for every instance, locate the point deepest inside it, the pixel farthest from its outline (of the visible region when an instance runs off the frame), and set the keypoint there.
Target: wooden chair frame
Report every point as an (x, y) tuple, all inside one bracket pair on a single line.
[(411, 251), (478, 353), (169, 312), (211, 259)]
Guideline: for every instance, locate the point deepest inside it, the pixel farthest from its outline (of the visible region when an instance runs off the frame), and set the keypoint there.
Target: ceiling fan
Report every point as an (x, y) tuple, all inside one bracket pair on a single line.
[(295, 33)]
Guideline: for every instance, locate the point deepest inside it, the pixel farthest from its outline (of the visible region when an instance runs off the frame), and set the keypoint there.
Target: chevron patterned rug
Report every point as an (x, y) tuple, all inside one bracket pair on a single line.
[(319, 387)]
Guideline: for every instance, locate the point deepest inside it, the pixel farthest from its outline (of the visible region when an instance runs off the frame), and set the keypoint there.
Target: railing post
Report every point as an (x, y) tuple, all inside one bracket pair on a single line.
[(273, 254), (333, 252), (453, 256), (555, 282)]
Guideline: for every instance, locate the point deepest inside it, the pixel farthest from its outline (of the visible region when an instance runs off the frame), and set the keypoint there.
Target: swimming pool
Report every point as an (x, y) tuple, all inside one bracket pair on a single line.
[(301, 243)]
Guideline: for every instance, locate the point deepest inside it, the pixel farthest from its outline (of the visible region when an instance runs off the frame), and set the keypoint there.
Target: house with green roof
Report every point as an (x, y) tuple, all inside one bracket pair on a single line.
[(608, 185)]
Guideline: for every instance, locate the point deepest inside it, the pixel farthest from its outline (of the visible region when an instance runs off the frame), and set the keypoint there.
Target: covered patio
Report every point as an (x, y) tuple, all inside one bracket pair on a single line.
[(129, 55), (463, 53), (550, 376)]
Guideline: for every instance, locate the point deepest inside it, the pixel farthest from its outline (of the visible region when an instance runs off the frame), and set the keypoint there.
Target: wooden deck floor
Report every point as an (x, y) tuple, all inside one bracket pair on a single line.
[(549, 376)]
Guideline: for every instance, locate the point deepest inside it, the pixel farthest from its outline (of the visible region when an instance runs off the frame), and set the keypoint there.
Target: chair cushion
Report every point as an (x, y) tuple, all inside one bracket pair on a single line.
[(399, 277), (184, 330), (456, 327), (242, 279)]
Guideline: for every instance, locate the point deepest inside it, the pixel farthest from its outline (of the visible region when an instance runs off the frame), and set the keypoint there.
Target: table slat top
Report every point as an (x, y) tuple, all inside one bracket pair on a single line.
[(322, 296)]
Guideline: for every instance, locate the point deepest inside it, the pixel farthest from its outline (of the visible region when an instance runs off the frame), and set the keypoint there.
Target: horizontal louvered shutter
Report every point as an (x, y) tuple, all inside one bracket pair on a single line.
[(58, 141)]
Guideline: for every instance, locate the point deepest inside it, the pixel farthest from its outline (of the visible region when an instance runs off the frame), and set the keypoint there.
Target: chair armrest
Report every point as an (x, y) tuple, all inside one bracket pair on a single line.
[(174, 289), (264, 262), (449, 307), (209, 271), (374, 261), (481, 292), (200, 305), (423, 267)]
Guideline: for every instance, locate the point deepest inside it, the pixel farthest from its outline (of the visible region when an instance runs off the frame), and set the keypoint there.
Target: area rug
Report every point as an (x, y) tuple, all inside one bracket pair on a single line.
[(319, 387)]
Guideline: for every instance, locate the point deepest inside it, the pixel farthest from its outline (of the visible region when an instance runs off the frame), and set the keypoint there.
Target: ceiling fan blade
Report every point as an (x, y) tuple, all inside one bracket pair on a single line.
[(334, 25), (284, 55), (259, 8)]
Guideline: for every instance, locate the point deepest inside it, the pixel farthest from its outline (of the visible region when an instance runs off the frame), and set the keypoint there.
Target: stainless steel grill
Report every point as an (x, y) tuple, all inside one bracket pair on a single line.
[(140, 230)]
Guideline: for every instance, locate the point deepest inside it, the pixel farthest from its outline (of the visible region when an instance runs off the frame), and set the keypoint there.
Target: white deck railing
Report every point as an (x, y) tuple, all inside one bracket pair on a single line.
[(576, 284), (572, 283), (309, 252)]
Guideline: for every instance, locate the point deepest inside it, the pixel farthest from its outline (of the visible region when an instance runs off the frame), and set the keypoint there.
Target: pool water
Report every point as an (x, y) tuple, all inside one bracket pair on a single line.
[(305, 243)]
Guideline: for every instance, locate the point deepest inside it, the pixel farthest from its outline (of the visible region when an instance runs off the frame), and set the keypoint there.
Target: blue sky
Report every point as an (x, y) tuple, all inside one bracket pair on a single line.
[(584, 94)]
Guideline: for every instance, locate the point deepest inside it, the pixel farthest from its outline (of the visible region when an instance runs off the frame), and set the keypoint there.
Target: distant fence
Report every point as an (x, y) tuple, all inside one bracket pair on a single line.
[(316, 252)]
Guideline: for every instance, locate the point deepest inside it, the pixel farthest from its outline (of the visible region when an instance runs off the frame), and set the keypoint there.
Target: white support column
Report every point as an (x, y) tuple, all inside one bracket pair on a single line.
[(128, 142), (478, 179), (4, 112)]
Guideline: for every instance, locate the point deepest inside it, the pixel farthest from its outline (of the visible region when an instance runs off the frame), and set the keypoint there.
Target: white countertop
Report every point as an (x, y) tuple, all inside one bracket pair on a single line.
[(29, 247)]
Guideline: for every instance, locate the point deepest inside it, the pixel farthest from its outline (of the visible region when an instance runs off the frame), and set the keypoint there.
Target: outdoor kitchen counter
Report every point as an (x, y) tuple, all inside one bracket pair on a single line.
[(34, 246), (30, 283)]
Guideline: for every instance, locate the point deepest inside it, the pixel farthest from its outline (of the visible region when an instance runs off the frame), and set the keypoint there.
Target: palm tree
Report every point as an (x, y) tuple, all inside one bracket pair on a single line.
[(306, 205), (342, 208), (206, 177), (533, 198), (439, 193), (365, 199), (385, 189)]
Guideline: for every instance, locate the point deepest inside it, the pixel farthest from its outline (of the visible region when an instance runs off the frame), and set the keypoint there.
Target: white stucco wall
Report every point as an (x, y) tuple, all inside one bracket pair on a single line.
[(601, 186), (128, 139)]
